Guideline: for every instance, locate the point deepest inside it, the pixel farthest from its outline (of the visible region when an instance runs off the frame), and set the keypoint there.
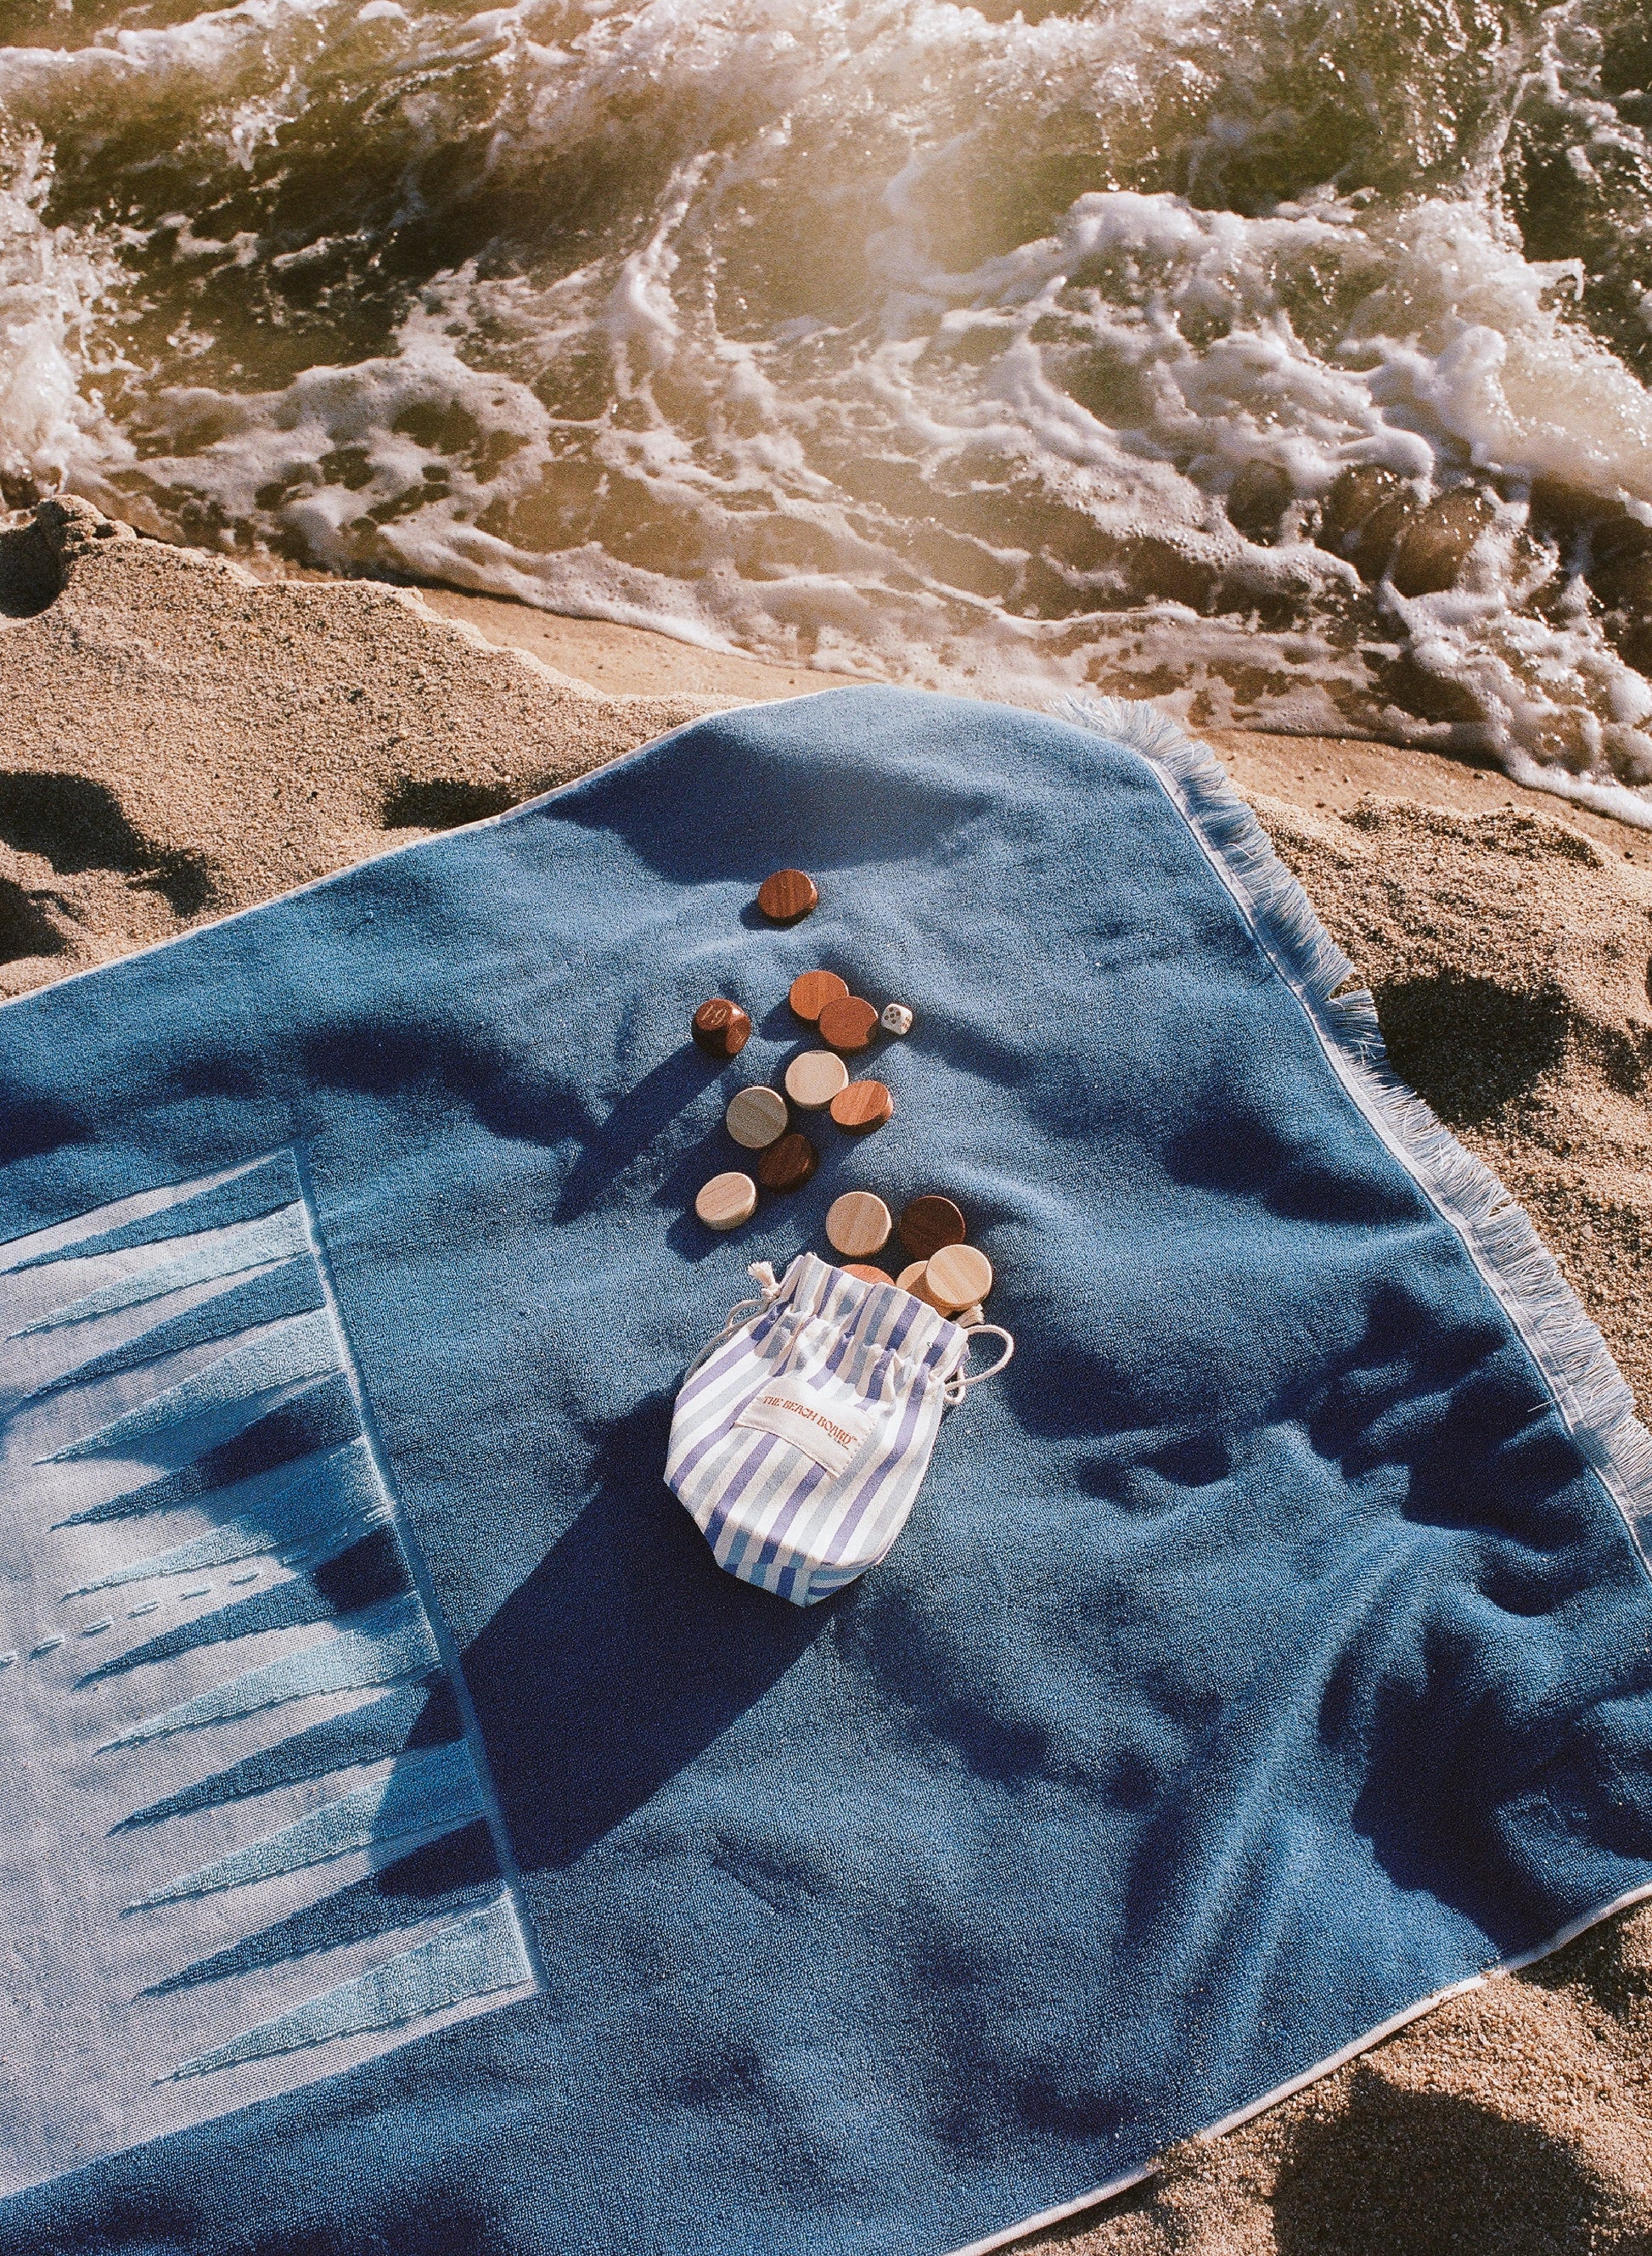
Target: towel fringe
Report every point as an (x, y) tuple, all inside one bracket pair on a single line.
[(1591, 1395)]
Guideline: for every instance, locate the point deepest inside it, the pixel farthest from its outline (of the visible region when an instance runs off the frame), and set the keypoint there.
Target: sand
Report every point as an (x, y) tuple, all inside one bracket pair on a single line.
[(180, 741)]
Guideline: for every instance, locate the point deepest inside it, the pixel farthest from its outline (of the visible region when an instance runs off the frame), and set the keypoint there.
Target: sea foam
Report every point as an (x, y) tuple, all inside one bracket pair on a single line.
[(1015, 353)]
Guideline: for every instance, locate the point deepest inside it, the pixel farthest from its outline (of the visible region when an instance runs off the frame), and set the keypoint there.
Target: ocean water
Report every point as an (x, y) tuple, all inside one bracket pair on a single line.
[(1284, 361)]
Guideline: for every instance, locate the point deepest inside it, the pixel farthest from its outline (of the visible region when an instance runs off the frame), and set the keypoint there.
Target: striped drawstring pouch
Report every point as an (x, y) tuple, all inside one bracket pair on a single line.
[(802, 1434)]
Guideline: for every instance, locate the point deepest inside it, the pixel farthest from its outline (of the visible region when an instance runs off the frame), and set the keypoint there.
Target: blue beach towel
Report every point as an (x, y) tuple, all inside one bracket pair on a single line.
[(415, 1842)]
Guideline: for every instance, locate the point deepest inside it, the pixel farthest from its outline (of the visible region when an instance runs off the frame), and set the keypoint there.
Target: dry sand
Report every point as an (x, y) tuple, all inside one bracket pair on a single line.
[(178, 741)]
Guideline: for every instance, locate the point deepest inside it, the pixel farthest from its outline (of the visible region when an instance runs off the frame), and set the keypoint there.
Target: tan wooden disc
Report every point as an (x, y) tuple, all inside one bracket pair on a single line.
[(957, 1276), (862, 1106), (911, 1280), (811, 991), (814, 1079), (858, 1224), (866, 1273), (756, 1117), (726, 1200)]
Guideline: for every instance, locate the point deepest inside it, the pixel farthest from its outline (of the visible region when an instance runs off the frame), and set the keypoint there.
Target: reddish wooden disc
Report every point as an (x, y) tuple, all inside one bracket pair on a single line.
[(787, 1164), (866, 1272), (721, 1028), (811, 991), (862, 1106), (848, 1024), (787, 896), (930, 1223)]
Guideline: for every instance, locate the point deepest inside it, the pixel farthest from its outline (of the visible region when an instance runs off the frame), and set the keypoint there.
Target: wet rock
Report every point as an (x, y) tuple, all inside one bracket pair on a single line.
[(1364, 514), (1430, 696), (1560, 510), (1630, 635), (1162, 571), (1614, 553), (1619, 566), (1434, 546), (1120, 571), (1257, 499)]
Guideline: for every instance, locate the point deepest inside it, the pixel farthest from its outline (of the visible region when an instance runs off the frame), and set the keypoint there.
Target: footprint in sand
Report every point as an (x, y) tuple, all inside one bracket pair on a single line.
[(81, 829), (31, 575), (442, 804)]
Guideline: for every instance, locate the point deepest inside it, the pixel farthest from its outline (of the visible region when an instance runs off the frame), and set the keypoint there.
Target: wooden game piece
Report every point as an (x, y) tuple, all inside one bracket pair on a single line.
[(814, 1078), (930, 1223), (848, 1024), (726, 1200), (858, 1224), (787, 1164), (787, 896), (756, 1117), (862, 1106), (721, 1028)]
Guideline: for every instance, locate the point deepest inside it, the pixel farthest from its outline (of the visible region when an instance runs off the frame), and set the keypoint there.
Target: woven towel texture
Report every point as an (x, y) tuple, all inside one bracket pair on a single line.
[(1261, 1654)]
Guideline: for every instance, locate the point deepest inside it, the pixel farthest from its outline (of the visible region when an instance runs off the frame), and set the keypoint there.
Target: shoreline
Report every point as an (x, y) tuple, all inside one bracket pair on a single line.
[(1321, 774), (1318, 774)]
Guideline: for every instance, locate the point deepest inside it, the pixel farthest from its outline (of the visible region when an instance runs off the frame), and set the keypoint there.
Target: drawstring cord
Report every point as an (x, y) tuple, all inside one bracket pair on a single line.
[(743, 1310), (764, 1276), (963, 1381)]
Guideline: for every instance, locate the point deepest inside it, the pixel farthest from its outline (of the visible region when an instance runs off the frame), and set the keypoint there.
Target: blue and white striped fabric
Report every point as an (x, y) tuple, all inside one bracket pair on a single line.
[(800, 1443)]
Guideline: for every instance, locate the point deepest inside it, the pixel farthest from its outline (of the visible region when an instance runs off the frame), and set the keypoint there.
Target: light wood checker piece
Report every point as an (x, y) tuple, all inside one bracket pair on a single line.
[(957, 1276), (726, 1200), (858, 1224), (814, 1079)]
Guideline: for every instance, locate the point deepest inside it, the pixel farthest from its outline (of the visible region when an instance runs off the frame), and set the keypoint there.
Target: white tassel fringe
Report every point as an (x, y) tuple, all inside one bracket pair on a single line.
[(1591, 1393)]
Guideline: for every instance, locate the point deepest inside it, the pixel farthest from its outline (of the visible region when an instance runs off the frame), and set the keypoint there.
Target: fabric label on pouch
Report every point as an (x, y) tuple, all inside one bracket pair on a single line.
[(830, 1435)]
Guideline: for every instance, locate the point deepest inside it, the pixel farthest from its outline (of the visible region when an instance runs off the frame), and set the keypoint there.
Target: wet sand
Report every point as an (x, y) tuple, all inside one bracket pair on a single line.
[(181, 741)]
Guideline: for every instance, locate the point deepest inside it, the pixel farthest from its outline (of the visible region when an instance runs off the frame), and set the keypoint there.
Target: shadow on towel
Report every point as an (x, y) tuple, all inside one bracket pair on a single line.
[(622, 1657)]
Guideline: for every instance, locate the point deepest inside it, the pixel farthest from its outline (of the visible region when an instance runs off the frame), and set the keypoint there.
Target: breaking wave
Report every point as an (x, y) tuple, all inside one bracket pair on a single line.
[(1284, 361)]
